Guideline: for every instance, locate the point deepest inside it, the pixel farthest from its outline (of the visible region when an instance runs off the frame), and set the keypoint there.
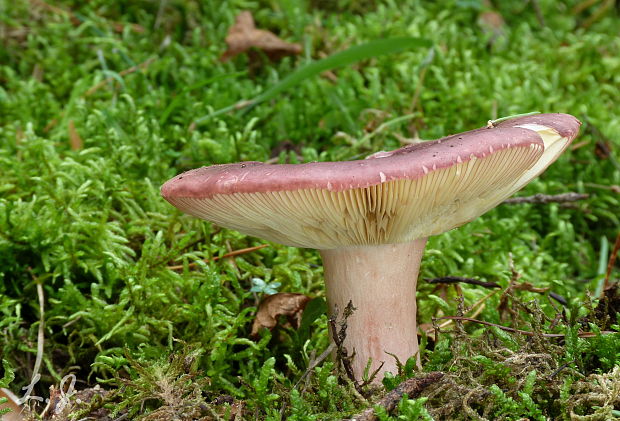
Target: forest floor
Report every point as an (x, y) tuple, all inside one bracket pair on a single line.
[(115, 305)]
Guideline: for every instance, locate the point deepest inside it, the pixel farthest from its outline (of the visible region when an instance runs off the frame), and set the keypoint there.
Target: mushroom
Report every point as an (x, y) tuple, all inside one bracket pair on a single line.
[(370, 219)]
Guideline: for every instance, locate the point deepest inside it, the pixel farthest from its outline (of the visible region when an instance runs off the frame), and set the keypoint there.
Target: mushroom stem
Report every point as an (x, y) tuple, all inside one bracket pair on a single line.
[(380, 281)]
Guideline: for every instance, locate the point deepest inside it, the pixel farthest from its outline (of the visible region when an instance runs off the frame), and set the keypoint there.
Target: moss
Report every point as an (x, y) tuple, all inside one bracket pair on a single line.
[(89, 226)]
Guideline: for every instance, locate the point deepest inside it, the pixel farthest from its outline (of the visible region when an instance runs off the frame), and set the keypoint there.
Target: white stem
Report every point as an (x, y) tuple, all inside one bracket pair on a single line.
[(380, 281)]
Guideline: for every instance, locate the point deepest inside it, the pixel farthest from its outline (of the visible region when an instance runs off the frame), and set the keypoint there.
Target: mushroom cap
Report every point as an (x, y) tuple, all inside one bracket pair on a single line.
[(392, 197)]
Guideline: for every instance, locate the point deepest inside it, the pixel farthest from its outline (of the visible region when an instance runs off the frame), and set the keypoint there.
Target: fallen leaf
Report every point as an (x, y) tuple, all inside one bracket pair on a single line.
[(492, 23), (243, 35), (603, 149), (15, 414), (285, 304)]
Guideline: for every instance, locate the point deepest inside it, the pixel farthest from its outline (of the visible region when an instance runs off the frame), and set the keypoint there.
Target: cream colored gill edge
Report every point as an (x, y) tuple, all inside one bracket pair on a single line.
[(554, 146), (393, 212)]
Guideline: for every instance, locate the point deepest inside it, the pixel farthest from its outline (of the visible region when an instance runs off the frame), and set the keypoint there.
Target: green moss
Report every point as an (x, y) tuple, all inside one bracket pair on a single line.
[(90, 226)]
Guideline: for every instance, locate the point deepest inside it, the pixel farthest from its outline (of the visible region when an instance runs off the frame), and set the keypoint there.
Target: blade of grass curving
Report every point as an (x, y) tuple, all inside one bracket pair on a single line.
[(602, 267), (343, 58)]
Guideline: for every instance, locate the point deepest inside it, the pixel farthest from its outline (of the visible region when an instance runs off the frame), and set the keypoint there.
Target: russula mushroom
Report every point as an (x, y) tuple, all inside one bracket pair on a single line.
[(370, 218)]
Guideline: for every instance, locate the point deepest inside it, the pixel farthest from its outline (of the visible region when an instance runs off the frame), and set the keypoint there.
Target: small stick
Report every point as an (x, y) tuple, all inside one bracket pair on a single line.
[(539, 13), (558, 298), (338, 336), (560, 368), (411, 387), (458, 279), (478, 305), (544, 198), (223, 256), (314, 363), (523, 332)]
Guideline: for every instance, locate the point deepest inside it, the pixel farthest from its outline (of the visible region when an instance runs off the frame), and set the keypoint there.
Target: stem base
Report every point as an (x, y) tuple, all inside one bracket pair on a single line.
[(381, 282)]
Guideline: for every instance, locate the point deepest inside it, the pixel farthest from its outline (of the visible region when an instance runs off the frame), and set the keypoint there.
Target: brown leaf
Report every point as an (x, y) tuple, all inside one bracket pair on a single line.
[(493, 25), (15, 414), (243, 35), (74, 137), (492, 22), (603, 149), (271, 308)]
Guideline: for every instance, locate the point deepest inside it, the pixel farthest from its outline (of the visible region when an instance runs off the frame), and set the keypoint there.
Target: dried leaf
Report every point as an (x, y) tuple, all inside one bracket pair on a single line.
[(74, 137), (493, 25), (285, 304), (492, 22), (15, 414), (243, 35), (603, 149)]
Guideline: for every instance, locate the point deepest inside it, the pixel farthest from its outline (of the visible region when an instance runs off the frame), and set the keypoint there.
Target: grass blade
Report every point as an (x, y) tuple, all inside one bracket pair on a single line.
[(343, 58)]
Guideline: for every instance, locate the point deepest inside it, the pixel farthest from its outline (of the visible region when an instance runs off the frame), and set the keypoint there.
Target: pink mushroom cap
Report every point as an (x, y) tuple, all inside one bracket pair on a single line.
[(412, 192)]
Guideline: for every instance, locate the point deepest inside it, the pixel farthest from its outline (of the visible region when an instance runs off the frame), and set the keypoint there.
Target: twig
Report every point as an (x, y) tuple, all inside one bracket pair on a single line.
[(539, 13), (612, 262), (544, 198), (560, 368), (614, 188), (524, 332), (223, 256), (459, 279), (478, 305), (411, 387), (314, 363), (581, 6), (377, 370), (125, 72), (338, 336), (598, 13), (558, 298)]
